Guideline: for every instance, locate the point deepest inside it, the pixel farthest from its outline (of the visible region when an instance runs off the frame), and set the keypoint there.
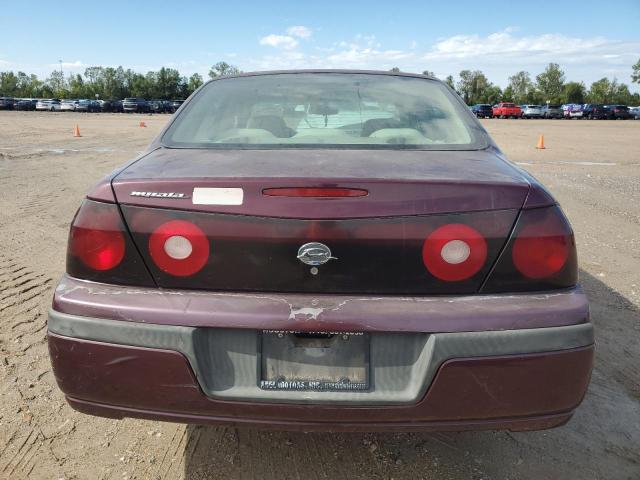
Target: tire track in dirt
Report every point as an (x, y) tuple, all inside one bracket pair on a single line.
[(27, 447)]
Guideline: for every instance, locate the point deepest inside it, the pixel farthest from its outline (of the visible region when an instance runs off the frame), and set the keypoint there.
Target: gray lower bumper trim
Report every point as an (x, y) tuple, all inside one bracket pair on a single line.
[(402, 364)]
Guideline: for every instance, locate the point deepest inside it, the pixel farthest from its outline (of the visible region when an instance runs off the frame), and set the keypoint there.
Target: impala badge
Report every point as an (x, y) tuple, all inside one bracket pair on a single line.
[(314, 254), (158, 194)]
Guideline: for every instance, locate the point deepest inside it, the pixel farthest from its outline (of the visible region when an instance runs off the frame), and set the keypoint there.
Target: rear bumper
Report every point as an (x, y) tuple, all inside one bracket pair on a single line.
[(190, 365), (517, 392)]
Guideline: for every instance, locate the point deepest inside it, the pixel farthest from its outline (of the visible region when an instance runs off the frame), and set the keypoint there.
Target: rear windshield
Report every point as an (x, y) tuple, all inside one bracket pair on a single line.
[(553, 106), (339, 110)]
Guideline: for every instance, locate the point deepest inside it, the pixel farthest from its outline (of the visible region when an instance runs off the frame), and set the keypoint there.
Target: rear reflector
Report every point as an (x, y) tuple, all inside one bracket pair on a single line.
[(179, 248), (454, 252), (315, 192)]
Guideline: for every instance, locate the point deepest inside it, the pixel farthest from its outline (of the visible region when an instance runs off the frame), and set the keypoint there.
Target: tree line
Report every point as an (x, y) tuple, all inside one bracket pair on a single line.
[(167, 83), (549, 86), (108, 83)]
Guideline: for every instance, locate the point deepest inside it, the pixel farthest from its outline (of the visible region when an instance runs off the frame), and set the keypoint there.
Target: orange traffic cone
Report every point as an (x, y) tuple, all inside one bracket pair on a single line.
[(76, 131), (143, 125), (540, 145)]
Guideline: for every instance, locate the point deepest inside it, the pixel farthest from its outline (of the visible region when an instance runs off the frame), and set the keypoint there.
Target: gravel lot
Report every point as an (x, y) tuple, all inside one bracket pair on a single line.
[(593, 169)]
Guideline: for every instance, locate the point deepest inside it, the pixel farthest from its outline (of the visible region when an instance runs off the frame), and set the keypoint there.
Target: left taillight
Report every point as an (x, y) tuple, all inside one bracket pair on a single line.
[(100, 249)]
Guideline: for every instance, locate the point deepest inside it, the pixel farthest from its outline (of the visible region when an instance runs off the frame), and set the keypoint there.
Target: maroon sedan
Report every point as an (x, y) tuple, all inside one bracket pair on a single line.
[(323, 250)]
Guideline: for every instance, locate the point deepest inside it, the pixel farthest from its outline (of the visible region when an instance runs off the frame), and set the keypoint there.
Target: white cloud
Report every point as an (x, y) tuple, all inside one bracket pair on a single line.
[(498, 55), (279, 41), (504, 44), (299, 31), (69, 65)]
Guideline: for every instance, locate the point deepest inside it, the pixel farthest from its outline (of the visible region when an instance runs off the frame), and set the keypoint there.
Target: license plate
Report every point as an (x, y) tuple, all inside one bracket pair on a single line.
[(331, 361)]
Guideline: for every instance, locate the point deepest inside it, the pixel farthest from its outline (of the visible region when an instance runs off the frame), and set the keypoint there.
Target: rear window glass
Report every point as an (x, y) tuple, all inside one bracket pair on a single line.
[(340, 110)]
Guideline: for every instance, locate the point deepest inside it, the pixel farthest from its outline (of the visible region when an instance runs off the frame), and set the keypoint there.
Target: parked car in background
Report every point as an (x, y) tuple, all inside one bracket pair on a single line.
[(116, 106), (137, 105), (52, 104), (576, 110), (175, 105), (68, 105), (25, 104), (407, 278), (572, 110), (482, 110), (595, 111), (619, 112), (635, 113), (159, 106), (102, 103), (6, 103), (531, 111), (86, 105), (506, 110), (551, 111)]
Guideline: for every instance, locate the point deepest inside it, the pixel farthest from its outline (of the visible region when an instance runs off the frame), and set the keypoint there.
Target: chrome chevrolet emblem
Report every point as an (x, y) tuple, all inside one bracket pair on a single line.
[(314, 254)]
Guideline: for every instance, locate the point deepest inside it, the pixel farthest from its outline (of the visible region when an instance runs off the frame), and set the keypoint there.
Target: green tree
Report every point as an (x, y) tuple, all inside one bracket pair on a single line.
[(635, 76), (222, 69), (8, 84), (550, 83), (492, 95), (602, 91), (428, 73), (394, 70), (77, 88), (574, 92), (520, 87), (57, 84), (167, 83), (472, 86), (195, 82), (449, 81), (507, 95), (622, 95)]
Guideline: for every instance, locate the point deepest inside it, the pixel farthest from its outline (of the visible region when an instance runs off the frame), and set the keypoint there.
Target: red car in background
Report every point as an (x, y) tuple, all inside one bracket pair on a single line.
[(506, 110)]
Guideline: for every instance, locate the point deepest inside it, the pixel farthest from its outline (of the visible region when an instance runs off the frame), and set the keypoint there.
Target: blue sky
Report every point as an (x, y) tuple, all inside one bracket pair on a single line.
[(589, 39)]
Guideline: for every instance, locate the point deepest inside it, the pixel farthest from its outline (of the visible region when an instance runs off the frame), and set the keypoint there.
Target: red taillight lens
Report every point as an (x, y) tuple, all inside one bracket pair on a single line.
[(538, 252), (100, 248), (179, 248), (96, 236), (454, 252), (315, 192), (541, 254)]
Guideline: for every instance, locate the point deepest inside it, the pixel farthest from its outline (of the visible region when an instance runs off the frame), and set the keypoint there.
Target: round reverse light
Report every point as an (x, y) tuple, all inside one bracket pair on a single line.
[(178, 247), (455, 252)]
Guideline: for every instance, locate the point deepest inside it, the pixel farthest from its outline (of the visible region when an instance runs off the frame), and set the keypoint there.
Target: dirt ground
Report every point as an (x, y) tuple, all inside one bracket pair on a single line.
[(592, 167)]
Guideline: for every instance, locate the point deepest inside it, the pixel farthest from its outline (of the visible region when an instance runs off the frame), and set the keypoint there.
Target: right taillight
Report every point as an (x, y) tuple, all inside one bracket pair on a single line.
[(100, 249), (540, 255)]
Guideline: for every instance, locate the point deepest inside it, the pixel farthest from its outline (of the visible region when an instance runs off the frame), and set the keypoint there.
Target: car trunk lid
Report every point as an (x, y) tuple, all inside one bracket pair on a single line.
[(377, 240)]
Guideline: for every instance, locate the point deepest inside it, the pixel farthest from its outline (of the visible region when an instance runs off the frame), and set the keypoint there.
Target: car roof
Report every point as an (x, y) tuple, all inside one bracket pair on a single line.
[(324, 70)]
